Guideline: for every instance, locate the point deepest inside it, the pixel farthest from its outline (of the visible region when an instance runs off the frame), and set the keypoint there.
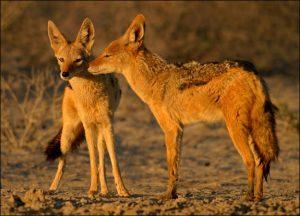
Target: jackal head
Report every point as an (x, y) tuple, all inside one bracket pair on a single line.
[(120, 55), (73, 56)]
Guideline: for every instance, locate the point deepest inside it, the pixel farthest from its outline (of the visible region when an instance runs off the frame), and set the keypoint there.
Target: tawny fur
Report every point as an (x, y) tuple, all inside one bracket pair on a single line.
[(183, 94), (88, 107)]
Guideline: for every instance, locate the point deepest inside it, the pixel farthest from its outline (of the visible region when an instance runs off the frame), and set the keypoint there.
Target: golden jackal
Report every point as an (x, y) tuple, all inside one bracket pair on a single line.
[(88, 107), (179, 95)]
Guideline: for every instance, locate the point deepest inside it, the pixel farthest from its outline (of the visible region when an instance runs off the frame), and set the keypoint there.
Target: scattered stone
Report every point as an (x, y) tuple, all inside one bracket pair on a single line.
[(34, 195), (131, 204), (139, 212), (68, 208), (83, 201), (207, 163), (15, 201), (68, 203), (188, 195), (34, 199)]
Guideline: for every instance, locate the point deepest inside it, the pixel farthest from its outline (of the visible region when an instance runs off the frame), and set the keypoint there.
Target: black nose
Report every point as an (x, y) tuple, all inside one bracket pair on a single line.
[(65, 74)]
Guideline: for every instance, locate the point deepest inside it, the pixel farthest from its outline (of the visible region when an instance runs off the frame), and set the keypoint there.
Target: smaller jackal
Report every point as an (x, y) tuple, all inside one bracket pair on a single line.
[(184, 94), (88, 108)]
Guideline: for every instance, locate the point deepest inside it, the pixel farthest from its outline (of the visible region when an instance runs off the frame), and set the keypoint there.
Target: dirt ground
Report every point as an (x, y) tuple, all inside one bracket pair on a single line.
[(212, 176)]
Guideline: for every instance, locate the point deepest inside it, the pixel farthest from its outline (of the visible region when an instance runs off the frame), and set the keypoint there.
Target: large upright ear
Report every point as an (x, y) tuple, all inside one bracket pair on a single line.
[(86, 34), (136, 31), (57, 39)]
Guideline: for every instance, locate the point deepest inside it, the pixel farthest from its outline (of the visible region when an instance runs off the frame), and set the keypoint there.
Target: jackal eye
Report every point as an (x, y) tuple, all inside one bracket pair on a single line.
[(107, 55), (78, 60), (61, 59)]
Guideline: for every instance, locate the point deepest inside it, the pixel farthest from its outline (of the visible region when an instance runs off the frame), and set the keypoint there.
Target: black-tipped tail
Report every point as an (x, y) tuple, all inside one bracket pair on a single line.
[(266, 170), (53, 148)]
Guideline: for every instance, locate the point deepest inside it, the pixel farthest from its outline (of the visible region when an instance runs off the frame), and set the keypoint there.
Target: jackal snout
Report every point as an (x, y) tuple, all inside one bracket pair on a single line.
[(119, 55), (72, 67), (65, 74)]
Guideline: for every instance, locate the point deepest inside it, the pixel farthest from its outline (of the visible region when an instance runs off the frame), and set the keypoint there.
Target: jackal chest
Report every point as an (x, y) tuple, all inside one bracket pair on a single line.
[(91, 97)]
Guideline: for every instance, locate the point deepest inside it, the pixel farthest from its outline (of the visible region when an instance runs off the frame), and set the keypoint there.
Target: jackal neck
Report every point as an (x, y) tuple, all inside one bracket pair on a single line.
[(143, 77), (82, 81)]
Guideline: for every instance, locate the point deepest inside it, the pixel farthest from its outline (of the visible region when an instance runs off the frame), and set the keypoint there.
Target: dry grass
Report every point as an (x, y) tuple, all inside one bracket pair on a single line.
[(30, 105)]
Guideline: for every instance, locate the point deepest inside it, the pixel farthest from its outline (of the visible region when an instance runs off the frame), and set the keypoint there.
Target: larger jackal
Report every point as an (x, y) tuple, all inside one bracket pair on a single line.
[(179, 95), (88, 107)]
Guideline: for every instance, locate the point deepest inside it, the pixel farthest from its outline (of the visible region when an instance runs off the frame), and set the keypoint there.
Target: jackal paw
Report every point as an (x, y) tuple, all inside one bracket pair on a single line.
[(92, 192), (50, 191), (104, 193), (258, 198), (248, 197), (168, 195), (123, 193)]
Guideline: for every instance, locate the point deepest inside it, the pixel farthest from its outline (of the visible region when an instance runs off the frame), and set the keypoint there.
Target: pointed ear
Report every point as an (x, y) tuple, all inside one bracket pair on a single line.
[(86, 34), (57, 39), (136, 31)]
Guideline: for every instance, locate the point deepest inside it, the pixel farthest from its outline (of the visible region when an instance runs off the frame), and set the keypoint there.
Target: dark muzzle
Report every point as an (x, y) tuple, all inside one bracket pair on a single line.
[(65, 74)]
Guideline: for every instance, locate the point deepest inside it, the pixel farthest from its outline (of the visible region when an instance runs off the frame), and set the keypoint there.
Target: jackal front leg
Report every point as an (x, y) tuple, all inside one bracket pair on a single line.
[(91, 138), (173, 142), (109, 140), (173, 131), (101, 168)]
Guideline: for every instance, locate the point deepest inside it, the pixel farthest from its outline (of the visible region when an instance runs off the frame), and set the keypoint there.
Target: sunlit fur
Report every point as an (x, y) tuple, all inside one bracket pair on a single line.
[(183, 94), (88, 107)]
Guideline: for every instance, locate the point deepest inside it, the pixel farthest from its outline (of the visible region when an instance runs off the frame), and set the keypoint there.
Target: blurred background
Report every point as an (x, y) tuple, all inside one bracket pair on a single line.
[(265, 33)]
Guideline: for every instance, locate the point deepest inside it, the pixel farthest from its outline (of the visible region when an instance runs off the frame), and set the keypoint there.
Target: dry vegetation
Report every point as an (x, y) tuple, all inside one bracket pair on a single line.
[(266, 33), (30, 108)]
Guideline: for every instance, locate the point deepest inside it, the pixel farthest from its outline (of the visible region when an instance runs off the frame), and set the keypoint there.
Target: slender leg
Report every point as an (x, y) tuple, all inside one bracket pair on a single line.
[(91, 138), (239, 136), (70, 133), (109, 140), (101, 169), (72, 129), (259, 182), (59, 173), (173, 141), (173, 131), (259, 171)]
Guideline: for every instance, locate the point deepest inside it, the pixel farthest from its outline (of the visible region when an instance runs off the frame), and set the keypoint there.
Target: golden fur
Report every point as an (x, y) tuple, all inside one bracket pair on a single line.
[(183, 94), (88, 107)]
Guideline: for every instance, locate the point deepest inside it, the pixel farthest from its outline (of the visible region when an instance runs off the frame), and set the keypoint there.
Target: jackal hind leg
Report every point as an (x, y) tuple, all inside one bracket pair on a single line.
[(59, 173), (239, 136), (259, 182), (101, 169), (109, 140), (70, 132), (259, 171)]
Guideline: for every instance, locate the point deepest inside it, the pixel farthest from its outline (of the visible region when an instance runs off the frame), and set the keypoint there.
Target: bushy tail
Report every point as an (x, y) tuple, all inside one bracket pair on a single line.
[(53, 150), (263, 125)]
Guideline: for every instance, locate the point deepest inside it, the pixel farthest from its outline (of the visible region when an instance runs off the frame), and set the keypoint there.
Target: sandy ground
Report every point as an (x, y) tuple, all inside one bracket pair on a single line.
[(212, 176)]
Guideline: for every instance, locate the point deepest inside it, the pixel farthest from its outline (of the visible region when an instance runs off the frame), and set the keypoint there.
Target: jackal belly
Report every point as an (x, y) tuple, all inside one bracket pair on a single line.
[(195, 106)]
